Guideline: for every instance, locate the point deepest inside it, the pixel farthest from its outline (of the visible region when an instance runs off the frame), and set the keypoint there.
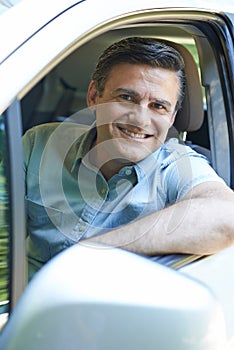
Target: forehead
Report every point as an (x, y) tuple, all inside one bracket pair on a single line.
[(143, 80), (128, 73)]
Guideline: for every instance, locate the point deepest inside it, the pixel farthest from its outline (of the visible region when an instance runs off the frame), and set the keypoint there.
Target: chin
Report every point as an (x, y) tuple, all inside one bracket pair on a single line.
[(130, 152)]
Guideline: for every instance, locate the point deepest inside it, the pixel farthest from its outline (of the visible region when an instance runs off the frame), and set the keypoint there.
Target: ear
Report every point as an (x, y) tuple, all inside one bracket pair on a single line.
[(92, 94)]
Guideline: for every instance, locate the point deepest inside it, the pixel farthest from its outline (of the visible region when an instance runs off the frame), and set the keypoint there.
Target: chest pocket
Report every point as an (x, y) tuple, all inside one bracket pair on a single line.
[(38, 215)]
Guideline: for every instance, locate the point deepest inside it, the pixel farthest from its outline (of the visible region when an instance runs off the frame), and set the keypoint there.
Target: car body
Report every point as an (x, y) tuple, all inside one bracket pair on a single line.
[(48, 51)]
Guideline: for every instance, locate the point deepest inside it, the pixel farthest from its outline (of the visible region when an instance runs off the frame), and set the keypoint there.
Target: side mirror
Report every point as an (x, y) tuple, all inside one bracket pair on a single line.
[(95, 297)]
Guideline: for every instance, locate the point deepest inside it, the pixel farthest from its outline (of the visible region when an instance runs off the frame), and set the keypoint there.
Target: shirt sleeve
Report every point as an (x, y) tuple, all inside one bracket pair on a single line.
[(185, 169)]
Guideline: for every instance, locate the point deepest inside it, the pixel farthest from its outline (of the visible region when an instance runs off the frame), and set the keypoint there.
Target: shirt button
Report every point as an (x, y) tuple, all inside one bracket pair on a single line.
[(128, 172), (103, 191), (81, 228)]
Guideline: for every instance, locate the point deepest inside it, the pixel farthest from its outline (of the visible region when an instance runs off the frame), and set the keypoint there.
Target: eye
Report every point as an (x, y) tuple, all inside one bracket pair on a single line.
[(158, 107), (126, 97)]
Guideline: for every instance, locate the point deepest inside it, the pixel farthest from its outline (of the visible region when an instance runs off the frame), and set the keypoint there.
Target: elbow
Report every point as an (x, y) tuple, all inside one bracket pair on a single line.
[(224, 225), (229, 235), (224, 238)]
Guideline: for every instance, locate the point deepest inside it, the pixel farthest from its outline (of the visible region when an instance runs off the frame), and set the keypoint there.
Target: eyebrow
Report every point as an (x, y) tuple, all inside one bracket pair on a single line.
[(128, 91), (134, 93)]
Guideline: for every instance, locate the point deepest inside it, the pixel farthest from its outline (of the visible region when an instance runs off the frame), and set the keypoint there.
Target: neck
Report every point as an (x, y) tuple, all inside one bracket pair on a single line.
[(107, 167), (112, 168)]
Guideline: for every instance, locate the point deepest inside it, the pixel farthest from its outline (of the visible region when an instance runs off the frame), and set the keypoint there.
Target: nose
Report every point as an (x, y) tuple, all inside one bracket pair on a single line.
[(139, 115)]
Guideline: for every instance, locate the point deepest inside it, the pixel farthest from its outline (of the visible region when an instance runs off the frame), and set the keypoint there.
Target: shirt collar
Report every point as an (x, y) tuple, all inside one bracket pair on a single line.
[(85, 143), (147, 165)]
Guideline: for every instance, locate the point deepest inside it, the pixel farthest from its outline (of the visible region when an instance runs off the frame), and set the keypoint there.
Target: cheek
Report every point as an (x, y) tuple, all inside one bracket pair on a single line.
[(161, 124)]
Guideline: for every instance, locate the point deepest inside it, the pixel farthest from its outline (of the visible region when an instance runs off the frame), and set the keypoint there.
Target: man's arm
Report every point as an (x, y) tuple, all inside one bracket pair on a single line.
[(202, 223)]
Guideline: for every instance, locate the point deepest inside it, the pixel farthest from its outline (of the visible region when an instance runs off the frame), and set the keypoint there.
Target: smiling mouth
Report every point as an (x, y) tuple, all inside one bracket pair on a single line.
[(133, 134)]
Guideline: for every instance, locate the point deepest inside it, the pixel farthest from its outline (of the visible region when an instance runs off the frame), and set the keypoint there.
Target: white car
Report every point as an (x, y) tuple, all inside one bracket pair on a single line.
[(117, 300)]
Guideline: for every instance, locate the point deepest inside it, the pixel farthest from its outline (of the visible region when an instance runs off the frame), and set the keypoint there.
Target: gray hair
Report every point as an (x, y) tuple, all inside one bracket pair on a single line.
[(139, 50)]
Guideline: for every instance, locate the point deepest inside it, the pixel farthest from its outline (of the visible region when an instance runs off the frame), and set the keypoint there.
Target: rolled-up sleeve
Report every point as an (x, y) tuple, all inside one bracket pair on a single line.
[(184, 169)]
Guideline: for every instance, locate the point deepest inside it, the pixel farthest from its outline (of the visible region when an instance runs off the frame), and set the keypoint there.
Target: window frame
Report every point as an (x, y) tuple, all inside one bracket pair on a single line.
[(15, 183)]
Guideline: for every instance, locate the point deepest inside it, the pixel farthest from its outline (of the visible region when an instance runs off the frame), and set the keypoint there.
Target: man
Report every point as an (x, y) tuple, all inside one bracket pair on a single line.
[(118, 182)]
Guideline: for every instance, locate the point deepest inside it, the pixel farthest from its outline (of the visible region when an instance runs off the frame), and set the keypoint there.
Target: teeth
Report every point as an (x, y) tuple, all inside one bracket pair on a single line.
[(132, 134)]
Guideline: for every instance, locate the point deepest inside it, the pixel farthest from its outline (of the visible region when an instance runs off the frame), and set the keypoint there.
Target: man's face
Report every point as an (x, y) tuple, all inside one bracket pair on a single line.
[(135, 111)]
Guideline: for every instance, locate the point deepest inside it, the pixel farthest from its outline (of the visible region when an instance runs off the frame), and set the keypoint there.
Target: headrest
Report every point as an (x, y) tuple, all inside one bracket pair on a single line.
[(190, 116)]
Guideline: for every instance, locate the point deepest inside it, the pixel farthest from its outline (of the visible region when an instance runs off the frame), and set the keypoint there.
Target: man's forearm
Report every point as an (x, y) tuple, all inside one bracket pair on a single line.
[(192, 226)]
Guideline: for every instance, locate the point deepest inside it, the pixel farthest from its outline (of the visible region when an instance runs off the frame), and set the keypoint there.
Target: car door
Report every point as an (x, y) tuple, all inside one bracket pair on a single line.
[(46, 43)]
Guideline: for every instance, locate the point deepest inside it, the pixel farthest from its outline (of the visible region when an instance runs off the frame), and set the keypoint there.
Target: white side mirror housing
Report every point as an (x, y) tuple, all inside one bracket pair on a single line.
[(95, 297)]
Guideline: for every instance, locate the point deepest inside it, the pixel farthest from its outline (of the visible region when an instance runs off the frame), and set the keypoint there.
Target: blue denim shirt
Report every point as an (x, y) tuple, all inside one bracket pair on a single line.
[(68, 199)]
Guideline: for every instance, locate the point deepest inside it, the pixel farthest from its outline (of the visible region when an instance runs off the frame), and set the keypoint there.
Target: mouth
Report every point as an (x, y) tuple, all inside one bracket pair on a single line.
[(132, 134)]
